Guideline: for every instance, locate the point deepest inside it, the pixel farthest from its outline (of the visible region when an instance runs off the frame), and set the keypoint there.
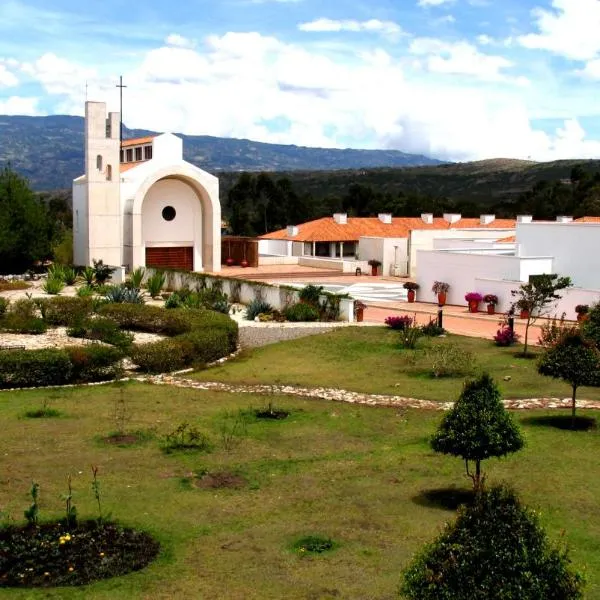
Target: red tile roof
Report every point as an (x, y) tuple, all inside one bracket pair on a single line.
[(138, 141), (588, 220), (508, 240), (327, 230)]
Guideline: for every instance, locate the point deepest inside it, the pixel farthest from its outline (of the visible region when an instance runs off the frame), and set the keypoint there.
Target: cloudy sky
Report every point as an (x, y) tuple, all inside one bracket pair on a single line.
[(454, 79)]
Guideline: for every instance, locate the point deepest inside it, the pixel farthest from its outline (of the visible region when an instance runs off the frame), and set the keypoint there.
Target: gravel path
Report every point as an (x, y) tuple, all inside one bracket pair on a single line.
[(338, 395)]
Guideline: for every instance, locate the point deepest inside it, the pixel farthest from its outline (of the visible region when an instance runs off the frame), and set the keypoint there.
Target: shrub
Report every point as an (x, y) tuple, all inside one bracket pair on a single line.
[(85, 291), (53, 286), (257, 307), (409, 336), (301, 312), (66, 311), (209, 344), (173, 301), (450, 360), (582, 309), (94, 362), (121, 294), (314, 544), (10, 286), (400, 322), (16, 323), (4, 303), (506, 337), (311, 294), (164, 356), (102, 330), (56, 271), (140, 317), (102, 272), (155, 284), (27, 368), (432, 329), (186, 437), (496, 549)]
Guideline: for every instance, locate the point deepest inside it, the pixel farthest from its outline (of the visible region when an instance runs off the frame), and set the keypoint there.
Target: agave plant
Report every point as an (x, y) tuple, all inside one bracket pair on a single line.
[(53, 286), (56, 272), (120, 294), (69, 275), (89, 275), (137, 277), (85, 291), (155, 283)]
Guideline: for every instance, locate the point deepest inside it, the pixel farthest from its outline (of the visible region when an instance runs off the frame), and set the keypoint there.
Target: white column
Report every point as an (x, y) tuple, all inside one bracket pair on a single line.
[(314, 249)]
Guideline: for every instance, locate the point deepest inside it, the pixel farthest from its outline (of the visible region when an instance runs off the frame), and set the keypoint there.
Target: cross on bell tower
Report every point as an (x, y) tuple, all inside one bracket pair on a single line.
[(121, 86)]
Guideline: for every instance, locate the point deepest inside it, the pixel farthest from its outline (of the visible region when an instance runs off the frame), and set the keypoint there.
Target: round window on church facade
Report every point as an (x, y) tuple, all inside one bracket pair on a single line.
[(168, 213)]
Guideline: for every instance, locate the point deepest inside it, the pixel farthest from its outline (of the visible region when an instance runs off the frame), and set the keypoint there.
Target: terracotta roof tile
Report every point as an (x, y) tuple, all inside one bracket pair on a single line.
[(508, 240), (588, 220), (327, 230), (138, 141)]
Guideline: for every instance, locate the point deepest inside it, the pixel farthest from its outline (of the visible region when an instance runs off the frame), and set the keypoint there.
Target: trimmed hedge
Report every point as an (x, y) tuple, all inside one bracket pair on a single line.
[(26, 368), (103, 330), (65, 311), (94, 362), (17, 323), (152, 319), (301, 312)]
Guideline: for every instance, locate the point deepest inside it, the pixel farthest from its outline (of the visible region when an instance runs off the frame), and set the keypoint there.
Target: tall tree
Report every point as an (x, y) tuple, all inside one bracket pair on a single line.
[(25, 232), (495, 550), (537, 298), (478, 427), (573, 359)]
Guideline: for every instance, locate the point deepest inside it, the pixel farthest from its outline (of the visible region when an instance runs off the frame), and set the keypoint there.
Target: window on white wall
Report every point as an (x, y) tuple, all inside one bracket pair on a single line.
[(108, 172), (99, 162), (76, 221)]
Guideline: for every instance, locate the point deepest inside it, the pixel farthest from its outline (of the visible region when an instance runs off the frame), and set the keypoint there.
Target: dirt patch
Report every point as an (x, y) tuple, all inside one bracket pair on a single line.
[(221, 480), (122, 439)]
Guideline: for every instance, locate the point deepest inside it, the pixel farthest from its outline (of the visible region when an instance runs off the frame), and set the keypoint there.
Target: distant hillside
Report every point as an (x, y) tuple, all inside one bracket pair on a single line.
[(487, 182), (49, 152)]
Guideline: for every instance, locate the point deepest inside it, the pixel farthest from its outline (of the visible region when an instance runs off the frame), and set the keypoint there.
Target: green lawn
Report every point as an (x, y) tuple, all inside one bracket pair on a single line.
[(354, 473), (369, 359)]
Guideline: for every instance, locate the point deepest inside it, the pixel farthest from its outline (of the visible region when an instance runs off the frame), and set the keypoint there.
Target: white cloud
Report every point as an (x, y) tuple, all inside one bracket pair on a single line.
[(7, 78), (233, 85), (371, 26), (18, 105), (570, 29), (178, 41), (434, 2), (461, 58)]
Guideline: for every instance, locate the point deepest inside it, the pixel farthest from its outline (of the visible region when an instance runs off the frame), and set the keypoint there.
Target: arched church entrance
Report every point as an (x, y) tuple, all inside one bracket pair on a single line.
[(172, 225)]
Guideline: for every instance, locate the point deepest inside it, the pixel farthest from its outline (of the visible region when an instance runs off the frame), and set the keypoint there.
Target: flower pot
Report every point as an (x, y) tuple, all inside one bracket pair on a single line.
[(473, 306), (244, 264), (581, 316), (230, 262), (524, 314), (491, 309), (360, 313), (374, 271), (411, 295), (442, 298)]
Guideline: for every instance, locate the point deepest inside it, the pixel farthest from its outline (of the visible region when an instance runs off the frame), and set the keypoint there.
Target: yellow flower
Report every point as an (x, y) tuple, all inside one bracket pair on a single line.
[(70, 569), (61, 541), (101, 553), (46, 574)]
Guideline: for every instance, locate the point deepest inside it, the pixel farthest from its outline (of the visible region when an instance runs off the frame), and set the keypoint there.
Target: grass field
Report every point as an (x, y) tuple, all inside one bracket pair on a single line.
[(369, 359), (357, 474)]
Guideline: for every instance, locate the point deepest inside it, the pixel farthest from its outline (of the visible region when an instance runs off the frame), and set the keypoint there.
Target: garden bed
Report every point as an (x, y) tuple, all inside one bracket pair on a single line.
[(53, 555)]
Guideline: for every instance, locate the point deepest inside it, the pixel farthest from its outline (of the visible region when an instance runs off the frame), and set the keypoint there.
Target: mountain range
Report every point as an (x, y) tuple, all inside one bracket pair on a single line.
[(49, 152)]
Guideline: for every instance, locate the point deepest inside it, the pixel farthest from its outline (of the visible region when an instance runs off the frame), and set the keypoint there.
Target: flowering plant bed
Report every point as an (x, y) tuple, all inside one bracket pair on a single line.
[(506, 337), (401, 322), (53, 554)]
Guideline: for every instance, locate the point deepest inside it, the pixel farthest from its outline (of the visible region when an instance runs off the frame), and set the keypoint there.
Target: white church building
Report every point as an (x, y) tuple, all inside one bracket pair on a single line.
[(140, 204)]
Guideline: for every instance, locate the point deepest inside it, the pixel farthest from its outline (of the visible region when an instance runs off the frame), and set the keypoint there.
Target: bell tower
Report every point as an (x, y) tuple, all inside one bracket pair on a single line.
[(97, 206)]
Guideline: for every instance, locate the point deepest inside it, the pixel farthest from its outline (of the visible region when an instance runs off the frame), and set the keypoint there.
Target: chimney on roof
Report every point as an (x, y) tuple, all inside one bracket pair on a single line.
[(427, 218), (292, 230), (524, 218), (385, 218), (340, 218), (487, 219), (452, 217), (563, 219)]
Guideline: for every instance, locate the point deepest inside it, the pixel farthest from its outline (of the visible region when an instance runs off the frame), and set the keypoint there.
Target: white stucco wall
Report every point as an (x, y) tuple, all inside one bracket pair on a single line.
[(574, 246), (427, 239), (275, 247), (463, 270), (186, 225), (80, 224), (384, 250)]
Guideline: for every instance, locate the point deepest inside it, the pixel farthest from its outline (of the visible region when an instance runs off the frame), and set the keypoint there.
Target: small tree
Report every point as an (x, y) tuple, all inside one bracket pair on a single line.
[(537, 297), (478, 427), (575, 360), (496, 550), (591, 326)]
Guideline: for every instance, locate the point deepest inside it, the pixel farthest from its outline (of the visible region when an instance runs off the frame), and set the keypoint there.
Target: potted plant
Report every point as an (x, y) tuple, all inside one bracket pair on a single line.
[(491, 300), (441, 289), (374, 264), (359, 310), (412, 288), (524, 308), (473, 299), (582, 311)]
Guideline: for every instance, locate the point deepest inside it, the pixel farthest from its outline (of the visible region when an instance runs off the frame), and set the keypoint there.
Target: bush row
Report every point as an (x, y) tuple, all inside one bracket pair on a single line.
[(27, 368)]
